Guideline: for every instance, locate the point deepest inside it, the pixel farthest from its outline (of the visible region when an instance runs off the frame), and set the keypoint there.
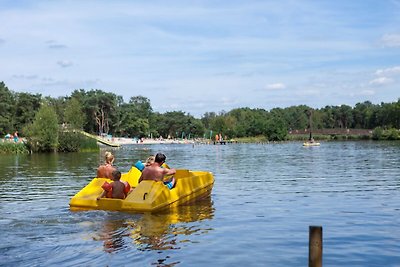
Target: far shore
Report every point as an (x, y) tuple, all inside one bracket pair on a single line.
[(148, 141)]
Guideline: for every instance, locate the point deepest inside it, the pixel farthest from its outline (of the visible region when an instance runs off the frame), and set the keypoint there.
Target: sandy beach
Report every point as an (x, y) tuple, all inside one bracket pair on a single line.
[(148, 141)]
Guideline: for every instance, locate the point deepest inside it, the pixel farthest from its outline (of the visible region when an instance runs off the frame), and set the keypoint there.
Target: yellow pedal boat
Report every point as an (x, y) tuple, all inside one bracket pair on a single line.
[(147, 196)]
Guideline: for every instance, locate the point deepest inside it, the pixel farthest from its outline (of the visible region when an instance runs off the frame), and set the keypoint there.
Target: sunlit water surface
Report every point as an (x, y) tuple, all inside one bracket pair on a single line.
[(264, 199)]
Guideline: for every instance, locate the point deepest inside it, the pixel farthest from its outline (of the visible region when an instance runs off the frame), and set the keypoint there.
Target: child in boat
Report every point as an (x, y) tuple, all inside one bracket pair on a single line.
[(116, 189), (150, 160), (105, 171)]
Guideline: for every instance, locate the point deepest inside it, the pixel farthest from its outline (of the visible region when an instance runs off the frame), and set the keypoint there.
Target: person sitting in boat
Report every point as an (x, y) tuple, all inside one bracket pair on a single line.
[(149, 161), (105, 171), (116, 189), (156, 173)]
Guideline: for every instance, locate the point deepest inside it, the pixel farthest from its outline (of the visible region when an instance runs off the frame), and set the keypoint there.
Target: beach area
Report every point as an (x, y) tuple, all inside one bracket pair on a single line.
[(150, 141)]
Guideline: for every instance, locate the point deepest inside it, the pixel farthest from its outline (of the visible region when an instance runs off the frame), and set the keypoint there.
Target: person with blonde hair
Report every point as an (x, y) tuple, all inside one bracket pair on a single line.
[(105, 170)]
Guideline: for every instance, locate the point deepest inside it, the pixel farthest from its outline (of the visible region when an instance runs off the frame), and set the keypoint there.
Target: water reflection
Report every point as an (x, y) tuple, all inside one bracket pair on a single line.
[(159, 231), (112, 233), (164, 231)]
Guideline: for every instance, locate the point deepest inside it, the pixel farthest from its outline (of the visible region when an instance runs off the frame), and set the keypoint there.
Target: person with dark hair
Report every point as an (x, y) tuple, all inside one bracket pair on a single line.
[(156, 173), (116, 189)]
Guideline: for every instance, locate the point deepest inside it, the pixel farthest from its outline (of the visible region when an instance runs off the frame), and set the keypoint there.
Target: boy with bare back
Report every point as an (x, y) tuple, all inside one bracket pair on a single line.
[(115, 189)]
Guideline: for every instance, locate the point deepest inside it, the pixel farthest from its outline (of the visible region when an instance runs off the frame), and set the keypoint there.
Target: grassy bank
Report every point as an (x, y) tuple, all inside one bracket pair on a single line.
[(255, 139), (9, 147), (322, 137), (304, 137)]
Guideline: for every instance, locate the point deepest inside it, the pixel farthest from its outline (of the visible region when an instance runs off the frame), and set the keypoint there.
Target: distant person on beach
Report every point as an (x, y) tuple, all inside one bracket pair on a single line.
[(116, 189), (16, 137), (156, 173), (105, 171)]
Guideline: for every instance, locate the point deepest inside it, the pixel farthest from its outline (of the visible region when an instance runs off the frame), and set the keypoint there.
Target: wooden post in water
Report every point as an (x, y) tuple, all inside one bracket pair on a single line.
[(315, 247)]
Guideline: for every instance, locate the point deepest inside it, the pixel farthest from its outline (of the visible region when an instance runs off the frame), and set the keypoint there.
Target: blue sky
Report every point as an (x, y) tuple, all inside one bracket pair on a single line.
[(205, 56)]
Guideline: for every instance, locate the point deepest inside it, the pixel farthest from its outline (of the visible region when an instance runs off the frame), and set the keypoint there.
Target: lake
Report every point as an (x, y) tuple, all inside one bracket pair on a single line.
[(264, 199)]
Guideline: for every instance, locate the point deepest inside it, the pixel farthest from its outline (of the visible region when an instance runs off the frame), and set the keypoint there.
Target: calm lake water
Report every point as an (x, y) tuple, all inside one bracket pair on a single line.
[(264, 199)]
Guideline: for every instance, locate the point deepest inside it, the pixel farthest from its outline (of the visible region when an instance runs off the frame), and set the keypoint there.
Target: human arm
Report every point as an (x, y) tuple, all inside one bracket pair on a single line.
[(169, 172)]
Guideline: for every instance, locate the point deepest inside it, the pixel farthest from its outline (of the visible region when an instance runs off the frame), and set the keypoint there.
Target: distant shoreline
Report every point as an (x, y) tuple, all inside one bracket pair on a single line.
[(147, 141)]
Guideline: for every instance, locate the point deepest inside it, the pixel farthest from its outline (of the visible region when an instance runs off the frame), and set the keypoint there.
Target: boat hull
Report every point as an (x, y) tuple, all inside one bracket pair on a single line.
[(311, 144), (148, 196)]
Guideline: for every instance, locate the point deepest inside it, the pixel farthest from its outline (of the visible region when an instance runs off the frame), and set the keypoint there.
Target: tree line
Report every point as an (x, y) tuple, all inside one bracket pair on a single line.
[(100, 112)]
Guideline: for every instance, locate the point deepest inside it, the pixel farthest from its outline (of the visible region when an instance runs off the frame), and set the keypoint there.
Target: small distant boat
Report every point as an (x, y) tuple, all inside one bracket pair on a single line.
[(310, 141), (147, 195)]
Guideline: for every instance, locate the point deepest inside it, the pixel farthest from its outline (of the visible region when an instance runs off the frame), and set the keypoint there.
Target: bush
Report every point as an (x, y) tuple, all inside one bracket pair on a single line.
[(392, 134), (71, 141), (381, 134), (68, 141), (11, 147), (42, 134)]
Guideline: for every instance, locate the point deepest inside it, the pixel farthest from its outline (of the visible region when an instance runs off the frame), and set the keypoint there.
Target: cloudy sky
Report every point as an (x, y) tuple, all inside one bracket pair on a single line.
[(204, 56)]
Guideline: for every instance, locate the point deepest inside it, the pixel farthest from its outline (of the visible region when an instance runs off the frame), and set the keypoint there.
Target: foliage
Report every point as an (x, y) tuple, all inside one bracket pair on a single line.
[(276, 129), (377, 133), (26, 107), (134, 117), (392, 134), (253, 139), (72, 141), (100, 112), (100, 108), (9, 147), (42, 134), (177, 124), (6, 109), (73, 115)]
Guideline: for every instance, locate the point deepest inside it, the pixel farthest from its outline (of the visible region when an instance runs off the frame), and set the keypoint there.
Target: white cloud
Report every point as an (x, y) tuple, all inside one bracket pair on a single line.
[(186, 50), (64, 63), (275, 86), (54, 45), (366, 92), (381, 81), (391, 40), (388, 71), (24, 77)]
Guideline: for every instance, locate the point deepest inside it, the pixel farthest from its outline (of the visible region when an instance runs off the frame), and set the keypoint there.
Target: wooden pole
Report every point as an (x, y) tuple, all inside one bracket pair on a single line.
[(315, 247)]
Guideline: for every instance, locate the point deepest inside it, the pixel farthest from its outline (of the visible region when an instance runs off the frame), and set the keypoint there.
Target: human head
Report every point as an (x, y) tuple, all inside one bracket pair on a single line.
[(160, 158), (116, 175), (150, 160), (109, 157)]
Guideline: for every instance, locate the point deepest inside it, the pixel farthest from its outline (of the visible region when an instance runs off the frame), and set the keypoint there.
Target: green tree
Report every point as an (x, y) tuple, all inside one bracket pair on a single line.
[(101, 109), (276, 126), (73, 115), (6, 109), (26, 107), (42, 134)]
